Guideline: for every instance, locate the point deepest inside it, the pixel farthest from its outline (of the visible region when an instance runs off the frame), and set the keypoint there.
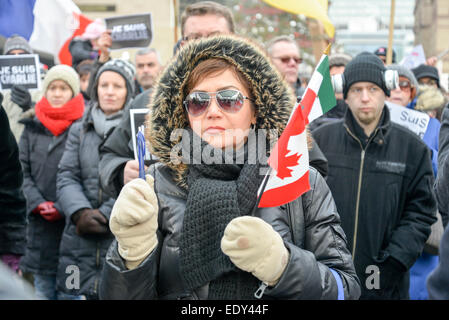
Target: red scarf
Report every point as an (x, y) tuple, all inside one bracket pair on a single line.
[(57, 120)]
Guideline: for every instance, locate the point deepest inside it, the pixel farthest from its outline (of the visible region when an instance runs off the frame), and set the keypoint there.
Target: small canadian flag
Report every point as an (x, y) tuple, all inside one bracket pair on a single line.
[(289, 162), (289, 159)]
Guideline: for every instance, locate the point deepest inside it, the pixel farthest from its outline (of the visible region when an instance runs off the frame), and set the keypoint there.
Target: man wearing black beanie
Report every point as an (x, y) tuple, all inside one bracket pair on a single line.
[(380, 175)]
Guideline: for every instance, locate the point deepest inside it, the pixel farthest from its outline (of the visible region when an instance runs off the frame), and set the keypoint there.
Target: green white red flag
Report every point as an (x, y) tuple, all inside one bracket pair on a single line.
[(289, 159)]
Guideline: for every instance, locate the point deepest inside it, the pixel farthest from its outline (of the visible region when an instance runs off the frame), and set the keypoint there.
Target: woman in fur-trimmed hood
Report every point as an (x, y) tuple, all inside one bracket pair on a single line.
[(192, 229), (273, 98)]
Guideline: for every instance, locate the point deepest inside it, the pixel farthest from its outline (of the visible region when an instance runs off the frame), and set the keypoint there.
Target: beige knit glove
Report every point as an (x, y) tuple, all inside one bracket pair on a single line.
[(134, 221), (254, 246)]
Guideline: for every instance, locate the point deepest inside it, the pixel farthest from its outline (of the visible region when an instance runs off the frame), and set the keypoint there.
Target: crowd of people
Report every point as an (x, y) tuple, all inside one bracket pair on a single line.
[(79, 221)]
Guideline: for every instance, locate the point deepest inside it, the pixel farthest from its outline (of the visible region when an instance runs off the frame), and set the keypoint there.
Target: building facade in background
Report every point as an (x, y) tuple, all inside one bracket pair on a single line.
[(432, 31), (363, 25)]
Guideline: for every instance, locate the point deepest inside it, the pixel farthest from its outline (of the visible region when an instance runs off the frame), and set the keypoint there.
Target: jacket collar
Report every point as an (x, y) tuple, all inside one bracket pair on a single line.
[(379, 134)]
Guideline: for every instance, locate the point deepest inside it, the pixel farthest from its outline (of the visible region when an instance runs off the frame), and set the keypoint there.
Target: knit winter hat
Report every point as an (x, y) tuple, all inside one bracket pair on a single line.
[(17, 42), (123, 68), (365, 66), (424, 70), (64, 73), (404, 72)]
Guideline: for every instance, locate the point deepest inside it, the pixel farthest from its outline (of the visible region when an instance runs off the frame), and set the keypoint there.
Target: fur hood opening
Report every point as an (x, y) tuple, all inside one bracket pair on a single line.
[(273, 97)]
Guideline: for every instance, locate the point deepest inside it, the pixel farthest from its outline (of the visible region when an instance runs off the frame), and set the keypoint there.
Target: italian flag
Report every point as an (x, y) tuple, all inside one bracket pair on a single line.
[(288, 178), (319, 96)]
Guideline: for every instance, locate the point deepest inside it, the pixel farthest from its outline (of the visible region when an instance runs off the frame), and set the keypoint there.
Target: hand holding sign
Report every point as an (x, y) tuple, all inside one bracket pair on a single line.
[(21, 97)]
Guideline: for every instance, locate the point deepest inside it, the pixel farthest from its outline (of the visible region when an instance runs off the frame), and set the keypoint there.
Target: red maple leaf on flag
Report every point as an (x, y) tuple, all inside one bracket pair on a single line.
[(285, 162)]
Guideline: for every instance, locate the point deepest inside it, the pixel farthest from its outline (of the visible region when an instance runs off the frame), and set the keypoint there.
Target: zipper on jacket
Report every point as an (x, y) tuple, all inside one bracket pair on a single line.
[(357, 204), (259, 292), (359, 186)]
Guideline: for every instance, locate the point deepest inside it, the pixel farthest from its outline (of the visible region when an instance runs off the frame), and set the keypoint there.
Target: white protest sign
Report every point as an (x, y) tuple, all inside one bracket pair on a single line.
[(411, 119), (21, 69), (415, 58)]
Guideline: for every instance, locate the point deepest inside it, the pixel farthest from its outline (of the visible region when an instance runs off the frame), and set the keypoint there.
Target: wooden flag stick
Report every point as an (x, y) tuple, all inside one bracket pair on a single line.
[(390, 35), (328, 49)]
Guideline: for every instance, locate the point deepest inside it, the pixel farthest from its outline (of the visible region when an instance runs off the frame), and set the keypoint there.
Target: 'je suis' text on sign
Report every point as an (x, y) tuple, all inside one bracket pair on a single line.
[(20, 70)]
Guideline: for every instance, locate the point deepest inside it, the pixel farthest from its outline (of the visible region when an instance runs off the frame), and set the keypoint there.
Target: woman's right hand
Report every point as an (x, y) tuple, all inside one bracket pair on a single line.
[(134, 221)]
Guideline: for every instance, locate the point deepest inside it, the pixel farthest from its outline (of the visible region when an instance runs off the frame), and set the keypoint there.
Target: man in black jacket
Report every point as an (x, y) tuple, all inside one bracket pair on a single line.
[(380, 175)]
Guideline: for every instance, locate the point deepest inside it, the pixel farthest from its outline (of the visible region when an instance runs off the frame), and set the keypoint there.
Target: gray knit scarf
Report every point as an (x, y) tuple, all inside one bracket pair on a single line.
[(102, 122), (217, 193)]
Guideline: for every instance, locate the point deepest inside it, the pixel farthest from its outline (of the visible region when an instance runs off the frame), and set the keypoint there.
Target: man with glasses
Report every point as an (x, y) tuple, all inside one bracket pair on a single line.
[(284, 53), (117, 163), (380, 175)]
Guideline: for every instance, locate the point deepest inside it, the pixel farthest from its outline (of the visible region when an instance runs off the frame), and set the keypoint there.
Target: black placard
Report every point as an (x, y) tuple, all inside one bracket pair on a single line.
[(20, 69), (131, 31)]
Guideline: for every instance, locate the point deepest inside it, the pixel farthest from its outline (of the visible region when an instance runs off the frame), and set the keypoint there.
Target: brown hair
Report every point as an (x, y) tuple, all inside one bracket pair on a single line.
[(211, 67), (207, 7)]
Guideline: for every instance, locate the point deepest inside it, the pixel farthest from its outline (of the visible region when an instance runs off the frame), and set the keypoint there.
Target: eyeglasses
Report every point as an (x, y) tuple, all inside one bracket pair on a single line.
[(228, 100), (287, 59), (405, 85)]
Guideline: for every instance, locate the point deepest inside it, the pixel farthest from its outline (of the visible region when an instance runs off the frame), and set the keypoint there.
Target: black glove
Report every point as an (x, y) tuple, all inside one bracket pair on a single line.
[(391, 272), (90, 221), (21, 97)]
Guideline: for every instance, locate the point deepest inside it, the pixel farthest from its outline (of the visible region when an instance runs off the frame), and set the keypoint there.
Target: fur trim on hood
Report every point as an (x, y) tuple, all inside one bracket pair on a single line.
[(273, 97)]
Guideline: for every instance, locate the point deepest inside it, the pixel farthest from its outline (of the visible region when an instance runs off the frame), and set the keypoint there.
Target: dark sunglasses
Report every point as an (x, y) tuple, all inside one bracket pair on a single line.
[(287, 59), (228, 100)]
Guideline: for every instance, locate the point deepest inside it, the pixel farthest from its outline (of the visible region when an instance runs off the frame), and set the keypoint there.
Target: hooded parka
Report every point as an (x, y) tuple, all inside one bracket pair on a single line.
[(321, 245)]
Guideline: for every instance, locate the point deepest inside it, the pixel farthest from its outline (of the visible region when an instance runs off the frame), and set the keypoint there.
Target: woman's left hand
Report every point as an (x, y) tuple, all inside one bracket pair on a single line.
[(254, 246)]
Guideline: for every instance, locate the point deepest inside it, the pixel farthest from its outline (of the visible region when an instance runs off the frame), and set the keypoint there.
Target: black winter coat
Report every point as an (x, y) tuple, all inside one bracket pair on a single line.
[(78, 187), (118, 149), (12, 200), (442, 181), (384, 196), (321, 246), (40, 153), (81, 50)]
